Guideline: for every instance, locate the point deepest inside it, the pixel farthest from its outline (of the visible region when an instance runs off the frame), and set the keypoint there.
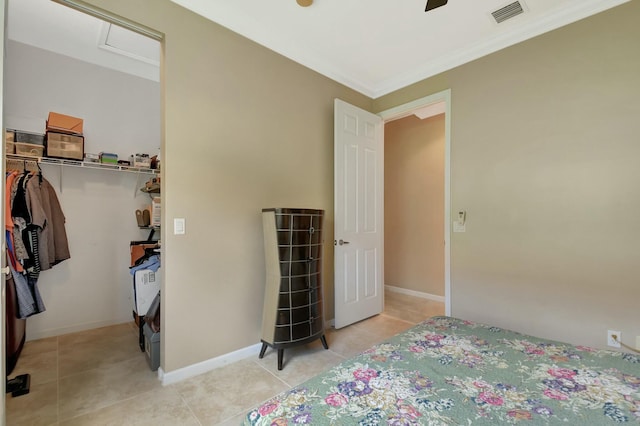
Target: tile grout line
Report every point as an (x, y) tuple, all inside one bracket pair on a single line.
[(368, 332), (57, 380), (95, 408), (99, 367), (185, 402), (272, 373), (109, 405), (288, 386)]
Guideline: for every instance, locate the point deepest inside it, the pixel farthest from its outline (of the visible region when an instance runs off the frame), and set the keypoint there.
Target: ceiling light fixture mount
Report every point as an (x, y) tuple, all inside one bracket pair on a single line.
[(432, 4), (304, 3)]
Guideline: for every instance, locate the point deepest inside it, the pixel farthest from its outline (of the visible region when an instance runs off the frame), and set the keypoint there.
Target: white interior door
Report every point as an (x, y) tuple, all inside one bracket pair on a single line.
[(358, 166)]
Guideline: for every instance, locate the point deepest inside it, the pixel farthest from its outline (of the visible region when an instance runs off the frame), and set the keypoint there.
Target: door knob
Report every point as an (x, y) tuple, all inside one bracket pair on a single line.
[(341, 242)]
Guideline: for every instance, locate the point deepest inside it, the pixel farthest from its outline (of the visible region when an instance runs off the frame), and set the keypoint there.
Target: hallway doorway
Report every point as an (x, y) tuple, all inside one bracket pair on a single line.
[(417, 194)]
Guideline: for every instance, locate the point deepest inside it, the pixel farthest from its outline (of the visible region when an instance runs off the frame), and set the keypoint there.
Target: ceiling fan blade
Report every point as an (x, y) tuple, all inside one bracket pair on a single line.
[(432, 4)]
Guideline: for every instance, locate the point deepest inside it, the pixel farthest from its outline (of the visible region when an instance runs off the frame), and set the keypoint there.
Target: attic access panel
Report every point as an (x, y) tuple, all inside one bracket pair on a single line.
[(125, 42), (432, 4)]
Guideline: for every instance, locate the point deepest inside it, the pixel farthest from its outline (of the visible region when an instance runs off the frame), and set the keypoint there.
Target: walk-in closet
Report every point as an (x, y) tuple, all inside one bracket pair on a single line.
[(61, 60)]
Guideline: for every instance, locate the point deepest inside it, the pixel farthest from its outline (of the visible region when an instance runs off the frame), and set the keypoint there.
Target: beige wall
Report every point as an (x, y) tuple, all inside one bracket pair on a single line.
[(414, 204), (244, 129), (98, 232), (545, 150), (544, 160)]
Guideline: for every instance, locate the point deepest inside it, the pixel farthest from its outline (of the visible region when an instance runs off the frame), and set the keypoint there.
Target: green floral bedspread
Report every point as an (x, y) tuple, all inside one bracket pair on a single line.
[(446, 371)]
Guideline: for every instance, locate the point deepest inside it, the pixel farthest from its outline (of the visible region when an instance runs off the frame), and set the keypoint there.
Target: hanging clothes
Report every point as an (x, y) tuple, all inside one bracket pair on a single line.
[(21, 217), (36, 235), (57, 220), (47, 215), (10, 178), (26, 246), (152, 263), (27, 293)]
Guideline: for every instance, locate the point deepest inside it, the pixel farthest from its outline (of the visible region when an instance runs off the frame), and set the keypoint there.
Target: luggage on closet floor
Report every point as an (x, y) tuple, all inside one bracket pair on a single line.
[(15, 327), (146, 284), (145, 265), (151, 330)]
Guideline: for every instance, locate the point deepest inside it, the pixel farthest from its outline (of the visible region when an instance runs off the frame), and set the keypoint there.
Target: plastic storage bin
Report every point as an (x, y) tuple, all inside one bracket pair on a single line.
[(26, 137), (29, 149), (61, 145), (151, 347)]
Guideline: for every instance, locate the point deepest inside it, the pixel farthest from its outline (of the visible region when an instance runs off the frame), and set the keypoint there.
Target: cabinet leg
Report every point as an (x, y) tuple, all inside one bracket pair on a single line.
[(280, 356), (263, 350), (324, 341)]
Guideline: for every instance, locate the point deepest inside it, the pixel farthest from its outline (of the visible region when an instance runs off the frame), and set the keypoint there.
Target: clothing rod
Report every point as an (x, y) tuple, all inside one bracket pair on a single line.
[(15, 164)]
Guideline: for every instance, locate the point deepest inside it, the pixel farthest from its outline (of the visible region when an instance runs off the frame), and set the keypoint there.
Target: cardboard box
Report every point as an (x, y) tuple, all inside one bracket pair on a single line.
[(64, 123), (156, 217), (62, 145), (141, 160), (91, 158)]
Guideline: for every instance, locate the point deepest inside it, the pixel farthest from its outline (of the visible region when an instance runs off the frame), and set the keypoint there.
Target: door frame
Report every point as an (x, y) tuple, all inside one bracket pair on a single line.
[(3, 355), (408, 109), (88, 9)]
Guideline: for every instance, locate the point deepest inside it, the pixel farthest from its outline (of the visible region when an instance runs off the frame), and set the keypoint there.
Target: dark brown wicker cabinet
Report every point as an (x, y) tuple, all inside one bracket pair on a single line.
[(293, 311)]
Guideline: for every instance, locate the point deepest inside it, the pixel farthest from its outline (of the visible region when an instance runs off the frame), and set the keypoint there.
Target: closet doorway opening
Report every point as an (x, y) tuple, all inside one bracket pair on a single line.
[(68, 58)]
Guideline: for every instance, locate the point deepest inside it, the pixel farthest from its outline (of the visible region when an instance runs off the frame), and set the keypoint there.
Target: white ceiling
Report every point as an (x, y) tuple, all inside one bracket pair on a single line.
[(372, 46), (60, 29), (378, 46)]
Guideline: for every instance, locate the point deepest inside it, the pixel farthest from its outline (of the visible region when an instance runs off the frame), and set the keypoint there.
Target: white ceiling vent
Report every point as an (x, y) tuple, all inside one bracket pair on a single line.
[(507, 12)]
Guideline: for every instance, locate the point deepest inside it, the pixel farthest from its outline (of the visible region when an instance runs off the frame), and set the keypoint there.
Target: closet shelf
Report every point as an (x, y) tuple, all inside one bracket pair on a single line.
[(62, 163), (152, 231), (84, 164)]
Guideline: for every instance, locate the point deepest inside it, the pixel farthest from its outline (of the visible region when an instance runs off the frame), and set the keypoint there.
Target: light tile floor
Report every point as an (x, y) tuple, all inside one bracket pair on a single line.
[(100, 377)]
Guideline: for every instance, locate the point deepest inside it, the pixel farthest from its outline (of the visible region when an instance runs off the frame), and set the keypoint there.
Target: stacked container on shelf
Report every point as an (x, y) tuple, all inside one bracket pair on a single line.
[(24, 143), (64, 137)]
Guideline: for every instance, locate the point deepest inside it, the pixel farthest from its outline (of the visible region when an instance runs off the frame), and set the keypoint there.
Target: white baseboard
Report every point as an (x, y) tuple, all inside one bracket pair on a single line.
[(208, 365), (52, 332), (226, 359), (414, 293)]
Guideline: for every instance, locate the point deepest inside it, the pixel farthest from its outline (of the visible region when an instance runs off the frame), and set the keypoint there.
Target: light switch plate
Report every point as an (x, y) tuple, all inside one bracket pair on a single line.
[(178, 226)]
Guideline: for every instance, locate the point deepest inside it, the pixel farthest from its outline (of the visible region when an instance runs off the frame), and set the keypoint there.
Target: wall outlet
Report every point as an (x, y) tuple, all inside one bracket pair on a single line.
[(610, 341)]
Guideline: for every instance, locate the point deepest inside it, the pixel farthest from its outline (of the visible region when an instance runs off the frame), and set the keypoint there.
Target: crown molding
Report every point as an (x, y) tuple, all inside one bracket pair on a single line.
[(548, 23), (303, 55)]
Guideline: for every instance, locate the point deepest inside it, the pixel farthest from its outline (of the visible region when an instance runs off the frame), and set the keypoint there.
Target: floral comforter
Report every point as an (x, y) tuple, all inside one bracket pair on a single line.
[(446, 371)]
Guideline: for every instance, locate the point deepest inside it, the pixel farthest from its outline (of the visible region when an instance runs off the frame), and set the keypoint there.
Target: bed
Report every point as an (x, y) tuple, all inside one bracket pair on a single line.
[(446, 371)]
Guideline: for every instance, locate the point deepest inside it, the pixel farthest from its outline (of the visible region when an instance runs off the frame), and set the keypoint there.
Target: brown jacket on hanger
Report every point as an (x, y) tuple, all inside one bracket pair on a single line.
[(54, 246)]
